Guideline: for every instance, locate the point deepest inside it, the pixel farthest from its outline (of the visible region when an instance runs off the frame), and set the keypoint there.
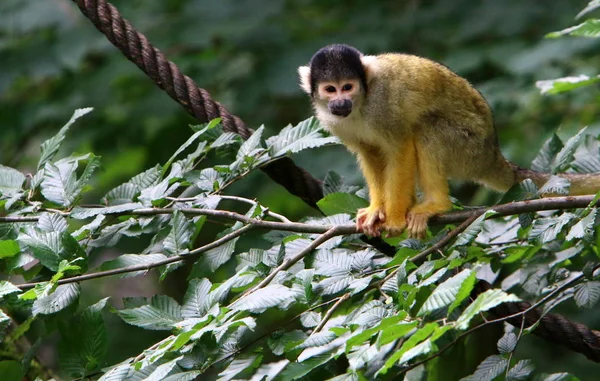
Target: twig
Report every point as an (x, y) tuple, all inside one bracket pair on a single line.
[(330, 312), (147, 266)]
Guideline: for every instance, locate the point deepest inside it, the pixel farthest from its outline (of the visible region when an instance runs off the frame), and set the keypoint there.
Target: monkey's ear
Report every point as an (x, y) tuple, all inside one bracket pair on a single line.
[(370, 65), (304, 72)]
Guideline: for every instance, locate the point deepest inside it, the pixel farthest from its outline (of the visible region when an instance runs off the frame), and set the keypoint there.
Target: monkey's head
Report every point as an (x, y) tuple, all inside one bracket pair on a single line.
[(336, 77)]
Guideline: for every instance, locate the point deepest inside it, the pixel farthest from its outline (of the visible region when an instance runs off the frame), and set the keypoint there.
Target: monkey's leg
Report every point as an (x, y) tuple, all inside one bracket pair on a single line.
[(372, 163), (434, 184), (400, 176)]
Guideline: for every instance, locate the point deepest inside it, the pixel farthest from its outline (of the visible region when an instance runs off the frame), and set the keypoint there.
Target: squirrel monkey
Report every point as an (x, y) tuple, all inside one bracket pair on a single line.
[(411, 122)]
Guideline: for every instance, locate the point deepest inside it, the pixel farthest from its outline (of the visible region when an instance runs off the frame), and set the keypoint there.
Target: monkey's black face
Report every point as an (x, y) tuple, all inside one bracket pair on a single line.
[(340, 107)]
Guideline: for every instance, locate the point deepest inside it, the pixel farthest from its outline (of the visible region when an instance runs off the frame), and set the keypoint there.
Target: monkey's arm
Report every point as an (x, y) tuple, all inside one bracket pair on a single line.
[(372, 163)]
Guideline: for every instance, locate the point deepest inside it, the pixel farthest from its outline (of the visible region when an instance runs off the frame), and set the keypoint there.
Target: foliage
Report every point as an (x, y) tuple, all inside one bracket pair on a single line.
[(306, 300)]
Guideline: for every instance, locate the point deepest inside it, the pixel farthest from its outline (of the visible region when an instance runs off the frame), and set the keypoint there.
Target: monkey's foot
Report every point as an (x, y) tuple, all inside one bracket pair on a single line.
[(370, 221), (417, 224), (394, 228)]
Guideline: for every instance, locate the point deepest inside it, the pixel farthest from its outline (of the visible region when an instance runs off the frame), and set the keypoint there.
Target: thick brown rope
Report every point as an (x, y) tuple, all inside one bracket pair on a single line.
[(198, 102), (136, 47)]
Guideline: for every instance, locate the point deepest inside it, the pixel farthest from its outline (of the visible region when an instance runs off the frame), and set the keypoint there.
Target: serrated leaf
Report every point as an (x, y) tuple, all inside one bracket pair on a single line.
[(525, 190), (274, 295), (584, 228), (81, 213), (178, 239), (444, 294), (122, 194), (284, 343), (84, 341), (307, 134), (47, 247), (463, 292), (195, 299), (61, 298), (51, 222), (420, 336), (147, 178), (11, 181), (335, 203), (126, 260), (546, 230), (490, 368), (587, 294), (59, 184), (249, 147), (297, 370), (162, 313), (507, 343), (520, 371), (238, 365), (545, 158), (214, 258), (7, 288), (186, 144), (184, 376), (489, 299), (310, 319), (50, 147), (471, 232), (555, 185), (329, 263), (588, 28), (592, 6), (565, 156)]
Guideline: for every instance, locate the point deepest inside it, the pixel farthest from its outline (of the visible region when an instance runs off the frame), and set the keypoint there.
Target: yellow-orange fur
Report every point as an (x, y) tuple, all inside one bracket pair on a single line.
[(418, 125)]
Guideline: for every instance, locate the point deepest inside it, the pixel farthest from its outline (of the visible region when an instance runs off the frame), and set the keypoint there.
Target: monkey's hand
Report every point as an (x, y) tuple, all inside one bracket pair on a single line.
[(370, 220)]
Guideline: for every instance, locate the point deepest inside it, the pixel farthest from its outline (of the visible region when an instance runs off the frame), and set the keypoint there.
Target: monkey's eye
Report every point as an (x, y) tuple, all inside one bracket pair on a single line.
[(347, 87), (330, 89)]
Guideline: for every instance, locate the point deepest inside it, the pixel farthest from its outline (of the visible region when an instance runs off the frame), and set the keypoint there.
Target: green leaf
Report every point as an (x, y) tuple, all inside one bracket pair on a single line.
[(178, 239), (335, 203), (284, 343), (546, 230), (9, 248), (195, 299), (184, 376), (147, 178), (50, 247), (274, 295), (420, 336), (163, 313), (489, 299), (11, 181), (7, 288), (51, 222), (81, 213), (59, 184), (396, 331), (561, 85), (490, 368), (565, 156), (589, 28), (297, 370), (555, 185), (584, 228), (210, 261), (592, 6), (61, 298), (318, 339), (50, 147), (520, 371), (507, 343), (84, 342), (307, 134), (470, 233), (190, 140), (444, 294), (463, 292), (587, 294), (545, 158), (239, 365), (251, 146), (11, 371), (525, 190), (126, 260)]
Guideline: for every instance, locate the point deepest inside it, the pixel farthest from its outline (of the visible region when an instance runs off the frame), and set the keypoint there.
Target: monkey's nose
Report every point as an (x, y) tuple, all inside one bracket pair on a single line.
[(341, 107)]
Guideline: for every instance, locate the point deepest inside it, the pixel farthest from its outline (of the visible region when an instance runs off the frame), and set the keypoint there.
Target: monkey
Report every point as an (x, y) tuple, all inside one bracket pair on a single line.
[(411, 122)]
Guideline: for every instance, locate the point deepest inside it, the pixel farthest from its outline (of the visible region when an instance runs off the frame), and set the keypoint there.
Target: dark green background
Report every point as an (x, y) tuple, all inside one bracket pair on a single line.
[(245, 53)]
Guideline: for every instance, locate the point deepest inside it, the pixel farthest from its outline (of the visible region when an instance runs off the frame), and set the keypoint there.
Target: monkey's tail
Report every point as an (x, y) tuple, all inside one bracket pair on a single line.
[(507, 174)]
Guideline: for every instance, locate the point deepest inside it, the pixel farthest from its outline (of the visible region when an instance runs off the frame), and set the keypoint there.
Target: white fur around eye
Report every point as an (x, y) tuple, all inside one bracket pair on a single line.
[(304, 72)]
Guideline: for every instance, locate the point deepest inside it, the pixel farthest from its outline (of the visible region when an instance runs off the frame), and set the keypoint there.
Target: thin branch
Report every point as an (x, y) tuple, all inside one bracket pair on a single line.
[(147, 266), (330, 312)]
